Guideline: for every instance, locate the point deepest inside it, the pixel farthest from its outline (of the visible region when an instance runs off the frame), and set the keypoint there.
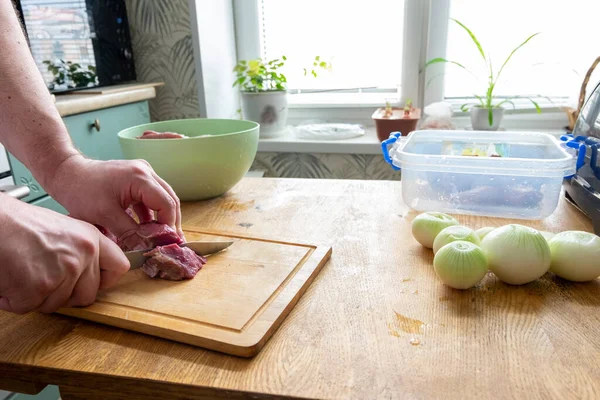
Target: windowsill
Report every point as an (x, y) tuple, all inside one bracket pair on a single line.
[(288, 143), (366, 144)]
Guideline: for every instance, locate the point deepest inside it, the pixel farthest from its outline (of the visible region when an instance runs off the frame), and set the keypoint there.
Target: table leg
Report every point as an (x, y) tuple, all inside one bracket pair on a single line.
[(19, 386)]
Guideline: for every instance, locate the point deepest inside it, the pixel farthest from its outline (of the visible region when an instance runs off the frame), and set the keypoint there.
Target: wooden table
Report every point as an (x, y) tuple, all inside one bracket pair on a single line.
[(350, 335)]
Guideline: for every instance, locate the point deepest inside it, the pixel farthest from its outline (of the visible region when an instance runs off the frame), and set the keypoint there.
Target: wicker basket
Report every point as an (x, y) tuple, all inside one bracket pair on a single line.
[(572, 113)]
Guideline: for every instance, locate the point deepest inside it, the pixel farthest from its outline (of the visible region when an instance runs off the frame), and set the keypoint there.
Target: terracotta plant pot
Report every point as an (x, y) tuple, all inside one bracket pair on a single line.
[(396, 122)]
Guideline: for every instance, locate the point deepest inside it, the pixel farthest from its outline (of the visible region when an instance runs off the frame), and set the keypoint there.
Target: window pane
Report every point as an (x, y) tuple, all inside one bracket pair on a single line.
[(553, 63), (362, 40)]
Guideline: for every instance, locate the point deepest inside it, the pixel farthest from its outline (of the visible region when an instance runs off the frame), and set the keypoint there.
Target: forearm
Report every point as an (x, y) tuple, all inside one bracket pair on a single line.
[(30, 126)]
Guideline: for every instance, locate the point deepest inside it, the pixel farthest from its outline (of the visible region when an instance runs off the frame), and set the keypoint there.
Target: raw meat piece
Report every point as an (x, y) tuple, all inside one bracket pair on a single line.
[(160, 135), (148, 235), (173, 263), (167, 260)]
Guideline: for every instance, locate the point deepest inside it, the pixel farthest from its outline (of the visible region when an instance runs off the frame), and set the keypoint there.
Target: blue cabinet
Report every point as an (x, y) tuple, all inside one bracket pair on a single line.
[(94, 133)]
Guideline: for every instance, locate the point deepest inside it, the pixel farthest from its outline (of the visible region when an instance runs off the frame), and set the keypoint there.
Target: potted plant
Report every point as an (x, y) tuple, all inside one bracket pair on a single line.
[(263, 90), (488, 111), (390, 119), (71, 75)]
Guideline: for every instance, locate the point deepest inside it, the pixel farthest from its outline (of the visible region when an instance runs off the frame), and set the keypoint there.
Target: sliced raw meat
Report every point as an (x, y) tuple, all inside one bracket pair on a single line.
[(148, 235), (160, 135), (173, 263)]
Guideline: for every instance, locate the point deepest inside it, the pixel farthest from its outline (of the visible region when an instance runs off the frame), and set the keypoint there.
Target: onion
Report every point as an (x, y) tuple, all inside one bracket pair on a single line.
[(454, 233), (426, 226), (517, 254), (482, 232), (547, 235), (460, 264), (575, 256)]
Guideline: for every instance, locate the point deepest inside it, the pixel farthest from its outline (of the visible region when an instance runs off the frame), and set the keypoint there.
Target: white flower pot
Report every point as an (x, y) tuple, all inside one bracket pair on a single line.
[(480, 121), (269, 109)]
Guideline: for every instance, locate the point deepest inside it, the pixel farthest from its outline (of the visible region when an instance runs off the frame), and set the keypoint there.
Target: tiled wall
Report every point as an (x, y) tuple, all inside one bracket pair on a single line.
[(324, 166), (162, 49)]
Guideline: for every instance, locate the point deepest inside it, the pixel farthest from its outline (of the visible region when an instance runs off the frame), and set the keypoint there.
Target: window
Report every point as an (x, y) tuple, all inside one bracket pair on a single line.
[(355, 37), (378, 48), (552, 64)]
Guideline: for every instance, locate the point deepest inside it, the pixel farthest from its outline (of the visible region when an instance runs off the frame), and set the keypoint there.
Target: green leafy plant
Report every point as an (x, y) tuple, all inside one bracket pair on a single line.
[(71, 73), (260, 76), (408, 108), (317, 63), (488, 100), (389, 111)]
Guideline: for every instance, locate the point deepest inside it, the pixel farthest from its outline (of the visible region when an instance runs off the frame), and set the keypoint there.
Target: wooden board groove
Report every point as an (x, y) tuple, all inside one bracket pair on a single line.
[(234, 305)]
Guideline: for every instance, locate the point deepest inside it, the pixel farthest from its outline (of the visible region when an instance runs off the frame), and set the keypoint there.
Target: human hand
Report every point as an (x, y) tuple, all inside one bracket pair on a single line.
[(50, 260), (99, 192)]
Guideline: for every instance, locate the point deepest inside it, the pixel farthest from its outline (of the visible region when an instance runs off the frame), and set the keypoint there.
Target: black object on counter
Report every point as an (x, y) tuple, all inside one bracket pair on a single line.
[(583, 189)]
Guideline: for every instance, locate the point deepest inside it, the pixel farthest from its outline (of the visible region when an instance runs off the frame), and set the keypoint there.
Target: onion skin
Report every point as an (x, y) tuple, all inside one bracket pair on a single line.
[(517, 254), (426, 226), (575, 256), (547, 235), (482, 232), (460, 264), (453, 234)]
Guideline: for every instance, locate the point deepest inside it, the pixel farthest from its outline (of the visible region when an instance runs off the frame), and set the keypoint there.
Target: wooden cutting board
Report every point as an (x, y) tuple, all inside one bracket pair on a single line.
[(234, 304)]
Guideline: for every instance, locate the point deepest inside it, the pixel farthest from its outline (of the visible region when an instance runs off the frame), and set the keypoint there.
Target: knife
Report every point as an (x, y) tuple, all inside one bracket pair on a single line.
[(137, 259)]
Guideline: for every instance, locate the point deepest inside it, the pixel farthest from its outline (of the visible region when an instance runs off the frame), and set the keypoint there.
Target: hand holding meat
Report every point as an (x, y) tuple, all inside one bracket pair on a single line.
[(99, 192), (50, 260)]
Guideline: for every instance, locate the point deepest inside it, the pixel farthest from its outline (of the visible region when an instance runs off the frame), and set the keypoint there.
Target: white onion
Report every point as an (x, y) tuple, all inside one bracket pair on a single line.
[(454, 233), (460, 264), (482, 232), (575, 256), (426, 226), (547, 235), (517, 254)]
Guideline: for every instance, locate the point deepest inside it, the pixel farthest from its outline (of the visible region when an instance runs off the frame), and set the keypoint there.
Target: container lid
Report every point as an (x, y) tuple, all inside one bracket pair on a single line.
[(480, 152)]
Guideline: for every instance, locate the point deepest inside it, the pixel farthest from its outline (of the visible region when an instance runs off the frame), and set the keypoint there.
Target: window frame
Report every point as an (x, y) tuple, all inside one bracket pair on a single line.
[(424, 38), (247, 16)]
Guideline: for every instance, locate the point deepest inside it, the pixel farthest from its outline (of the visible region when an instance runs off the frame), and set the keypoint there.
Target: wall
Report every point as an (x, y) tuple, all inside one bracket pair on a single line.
[(324, 166), (163, 52)]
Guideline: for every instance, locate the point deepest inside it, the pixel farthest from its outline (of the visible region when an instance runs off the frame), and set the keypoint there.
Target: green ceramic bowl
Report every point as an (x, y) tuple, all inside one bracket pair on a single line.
[(214, 158)]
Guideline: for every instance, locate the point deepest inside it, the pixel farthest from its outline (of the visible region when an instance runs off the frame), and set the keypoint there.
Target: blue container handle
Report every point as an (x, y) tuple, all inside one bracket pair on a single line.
[(394, 136), (581, 149)]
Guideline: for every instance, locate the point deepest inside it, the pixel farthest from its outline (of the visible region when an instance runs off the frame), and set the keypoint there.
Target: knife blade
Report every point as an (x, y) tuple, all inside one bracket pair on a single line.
[(137, 259)]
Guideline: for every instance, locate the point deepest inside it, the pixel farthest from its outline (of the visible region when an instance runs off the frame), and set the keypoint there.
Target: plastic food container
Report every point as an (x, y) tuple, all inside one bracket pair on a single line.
[(499, 174)]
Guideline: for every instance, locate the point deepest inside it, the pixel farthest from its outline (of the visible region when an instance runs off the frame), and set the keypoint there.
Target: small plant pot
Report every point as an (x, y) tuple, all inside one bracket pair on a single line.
[(269, 109), (396, 122), (480, 118)]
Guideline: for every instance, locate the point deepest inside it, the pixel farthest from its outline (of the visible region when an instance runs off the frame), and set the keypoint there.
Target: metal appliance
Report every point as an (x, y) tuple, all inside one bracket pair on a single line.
[(92, 35), (583, 189)]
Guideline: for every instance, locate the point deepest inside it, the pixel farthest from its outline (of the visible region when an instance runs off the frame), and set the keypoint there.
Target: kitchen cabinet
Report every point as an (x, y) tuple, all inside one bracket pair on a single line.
[(94, 133)]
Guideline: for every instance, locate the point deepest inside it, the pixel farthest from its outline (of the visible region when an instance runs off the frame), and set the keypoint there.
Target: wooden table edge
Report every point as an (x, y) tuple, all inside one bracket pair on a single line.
[(121, 387)]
